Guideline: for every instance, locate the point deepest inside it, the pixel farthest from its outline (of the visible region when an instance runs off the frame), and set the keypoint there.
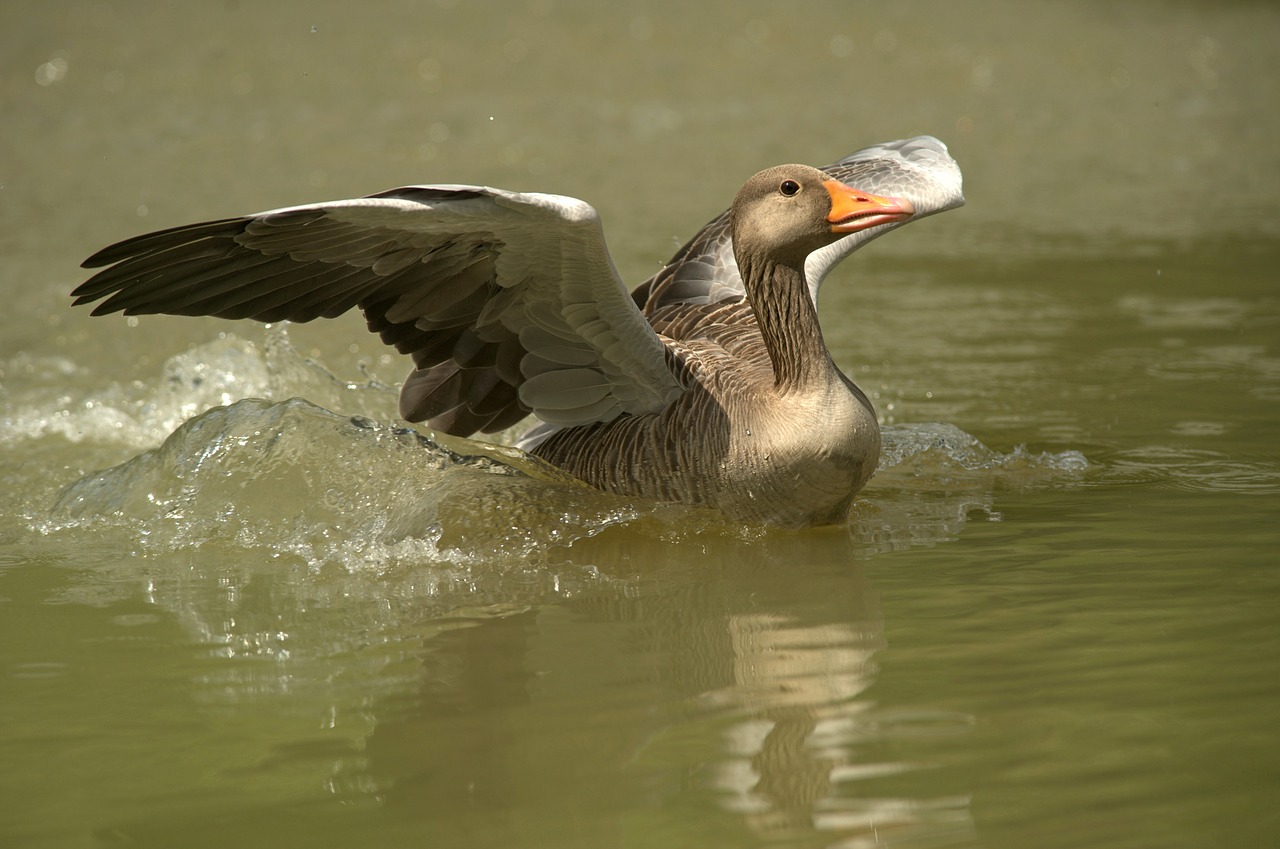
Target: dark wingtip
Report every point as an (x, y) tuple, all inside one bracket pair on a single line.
[(107, 283), (104, 308), (86, 293), (161, 239)]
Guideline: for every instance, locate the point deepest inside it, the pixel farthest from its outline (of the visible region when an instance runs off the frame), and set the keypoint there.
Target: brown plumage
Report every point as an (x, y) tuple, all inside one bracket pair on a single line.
[(708, 385), (768, 429)]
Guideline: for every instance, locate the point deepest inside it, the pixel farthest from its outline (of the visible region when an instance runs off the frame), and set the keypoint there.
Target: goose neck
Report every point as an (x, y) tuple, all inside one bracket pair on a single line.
[(788, 321)]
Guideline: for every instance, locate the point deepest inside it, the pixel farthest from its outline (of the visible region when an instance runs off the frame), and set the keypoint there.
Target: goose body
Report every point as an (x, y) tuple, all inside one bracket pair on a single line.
[(708, 385), (734, 443)]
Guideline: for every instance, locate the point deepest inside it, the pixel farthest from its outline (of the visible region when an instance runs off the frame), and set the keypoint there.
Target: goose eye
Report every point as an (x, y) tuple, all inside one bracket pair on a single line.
[(789, 187)]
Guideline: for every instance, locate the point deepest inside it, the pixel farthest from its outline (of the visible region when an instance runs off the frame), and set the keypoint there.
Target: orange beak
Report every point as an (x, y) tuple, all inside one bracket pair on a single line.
[(853, 210)]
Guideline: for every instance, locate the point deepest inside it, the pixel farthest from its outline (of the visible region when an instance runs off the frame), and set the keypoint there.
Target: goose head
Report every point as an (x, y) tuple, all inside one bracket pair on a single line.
[(786, 212)]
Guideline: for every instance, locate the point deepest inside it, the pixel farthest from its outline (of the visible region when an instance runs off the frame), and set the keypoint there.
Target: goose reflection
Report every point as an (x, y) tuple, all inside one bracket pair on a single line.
[(737, 685)]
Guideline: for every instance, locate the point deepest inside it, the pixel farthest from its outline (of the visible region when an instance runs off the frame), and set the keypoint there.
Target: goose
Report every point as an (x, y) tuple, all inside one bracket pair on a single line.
[(708, 385)]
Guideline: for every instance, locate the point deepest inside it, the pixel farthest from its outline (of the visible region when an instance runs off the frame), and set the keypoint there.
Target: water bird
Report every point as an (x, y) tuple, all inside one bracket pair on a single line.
[(709, 384)]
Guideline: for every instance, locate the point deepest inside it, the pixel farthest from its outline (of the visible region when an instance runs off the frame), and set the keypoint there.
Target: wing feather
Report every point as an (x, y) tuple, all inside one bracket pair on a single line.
[(456, 276)]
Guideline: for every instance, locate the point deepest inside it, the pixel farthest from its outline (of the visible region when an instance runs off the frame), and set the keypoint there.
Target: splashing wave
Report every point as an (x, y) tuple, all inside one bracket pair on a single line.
[(292, 479)]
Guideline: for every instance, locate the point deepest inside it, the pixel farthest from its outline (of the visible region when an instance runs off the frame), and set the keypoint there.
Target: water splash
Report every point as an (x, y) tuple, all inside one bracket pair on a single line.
[(933, 446), (295, 478), (288, 477), (66, 399)]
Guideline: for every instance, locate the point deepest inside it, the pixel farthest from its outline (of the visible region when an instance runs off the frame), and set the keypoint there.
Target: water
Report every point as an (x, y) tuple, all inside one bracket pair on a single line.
[(241, 604)]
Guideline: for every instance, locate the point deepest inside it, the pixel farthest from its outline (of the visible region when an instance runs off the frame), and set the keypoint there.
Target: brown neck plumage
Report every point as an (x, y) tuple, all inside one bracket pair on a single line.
[(788, 321)]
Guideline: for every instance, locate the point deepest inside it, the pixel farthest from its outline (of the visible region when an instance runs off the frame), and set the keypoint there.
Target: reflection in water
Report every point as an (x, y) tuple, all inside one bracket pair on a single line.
[(709, 684), (799, 685), (760, 665), (795, 677)]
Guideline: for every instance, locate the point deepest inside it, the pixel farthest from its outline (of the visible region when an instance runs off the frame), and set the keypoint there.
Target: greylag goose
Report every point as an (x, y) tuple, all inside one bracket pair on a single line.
[(709, 385)]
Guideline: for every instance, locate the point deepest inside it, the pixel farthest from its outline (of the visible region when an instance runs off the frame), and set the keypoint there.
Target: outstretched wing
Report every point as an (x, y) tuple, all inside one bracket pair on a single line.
[(507, 302), (704, 270)]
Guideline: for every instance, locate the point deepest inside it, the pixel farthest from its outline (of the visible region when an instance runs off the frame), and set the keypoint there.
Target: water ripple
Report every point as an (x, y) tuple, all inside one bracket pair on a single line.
[(1197, 469)]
